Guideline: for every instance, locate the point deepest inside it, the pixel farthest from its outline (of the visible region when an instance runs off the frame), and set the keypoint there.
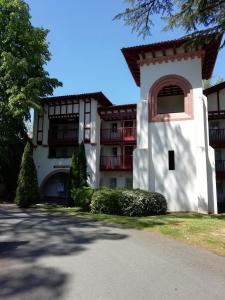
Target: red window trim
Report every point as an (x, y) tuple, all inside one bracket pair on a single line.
[(185, 85)]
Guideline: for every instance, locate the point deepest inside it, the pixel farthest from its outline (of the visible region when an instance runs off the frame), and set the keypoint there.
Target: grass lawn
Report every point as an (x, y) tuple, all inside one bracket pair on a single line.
[(207, 231)]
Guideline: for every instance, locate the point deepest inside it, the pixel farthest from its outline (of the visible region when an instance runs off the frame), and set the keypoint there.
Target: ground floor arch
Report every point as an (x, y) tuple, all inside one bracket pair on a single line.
[(55, 185)]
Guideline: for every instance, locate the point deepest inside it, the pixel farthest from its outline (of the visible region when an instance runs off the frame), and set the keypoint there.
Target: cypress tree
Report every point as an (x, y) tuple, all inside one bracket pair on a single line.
[(82, 165), (27, 191), (74, 177), (78, 172)]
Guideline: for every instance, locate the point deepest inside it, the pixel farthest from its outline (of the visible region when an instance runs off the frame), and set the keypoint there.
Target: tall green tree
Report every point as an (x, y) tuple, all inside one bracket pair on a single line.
[(27, 189), (196, 17), (82, 165), (23, 79), (78, 171), (74, 175), (78, 168)]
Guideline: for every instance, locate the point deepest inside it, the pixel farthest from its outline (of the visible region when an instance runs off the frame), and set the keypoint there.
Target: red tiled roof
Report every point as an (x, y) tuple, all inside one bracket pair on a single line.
[(99, 96), (131, 55)]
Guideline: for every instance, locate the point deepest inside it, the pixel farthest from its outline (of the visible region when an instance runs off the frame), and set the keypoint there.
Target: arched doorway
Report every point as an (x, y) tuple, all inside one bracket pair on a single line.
[(55, 185)]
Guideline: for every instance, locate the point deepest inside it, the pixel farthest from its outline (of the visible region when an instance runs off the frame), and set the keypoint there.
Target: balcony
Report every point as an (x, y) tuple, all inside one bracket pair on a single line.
[(217, 138), (116, 163), (217, 114), (63, 137), (220, 168), (112, 136)]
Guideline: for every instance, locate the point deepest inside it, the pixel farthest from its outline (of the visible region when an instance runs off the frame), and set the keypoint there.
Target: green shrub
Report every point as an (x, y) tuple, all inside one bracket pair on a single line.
[(106, 201), (128, 202), (82, 197), (27, 191), (142, 203)]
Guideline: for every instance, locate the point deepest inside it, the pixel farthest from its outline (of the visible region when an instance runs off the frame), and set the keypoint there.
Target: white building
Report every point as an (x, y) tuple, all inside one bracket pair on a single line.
[(161, 144)]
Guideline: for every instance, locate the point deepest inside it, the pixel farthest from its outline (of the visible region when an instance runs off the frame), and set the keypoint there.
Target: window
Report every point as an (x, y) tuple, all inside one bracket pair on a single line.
[(171, 160), (87, 120), (114, 151), (128, 124), (128, 183), (113, 183), (128, 150), (170, 99), (115, 132), (114, 127), (39, 129)]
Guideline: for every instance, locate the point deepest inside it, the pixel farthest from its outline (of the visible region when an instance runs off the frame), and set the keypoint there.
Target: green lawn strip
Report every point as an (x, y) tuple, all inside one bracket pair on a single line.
[(207, 231)]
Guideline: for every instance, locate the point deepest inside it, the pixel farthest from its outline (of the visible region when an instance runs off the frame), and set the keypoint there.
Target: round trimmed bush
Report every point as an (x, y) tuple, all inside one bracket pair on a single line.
[(142, 203), (106, 201), (128, 202)]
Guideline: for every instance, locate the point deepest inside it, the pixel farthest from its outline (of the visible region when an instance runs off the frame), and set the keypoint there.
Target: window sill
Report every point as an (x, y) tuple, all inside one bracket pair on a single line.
[(171, 117)]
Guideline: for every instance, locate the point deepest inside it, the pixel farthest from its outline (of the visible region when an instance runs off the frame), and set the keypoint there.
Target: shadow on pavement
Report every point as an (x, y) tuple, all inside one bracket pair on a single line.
[(27, 236), (32, 283)]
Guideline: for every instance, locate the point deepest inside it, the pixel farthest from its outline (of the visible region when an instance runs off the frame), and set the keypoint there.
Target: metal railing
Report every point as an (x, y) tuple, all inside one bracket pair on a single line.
[(120, 134), (116, 162)]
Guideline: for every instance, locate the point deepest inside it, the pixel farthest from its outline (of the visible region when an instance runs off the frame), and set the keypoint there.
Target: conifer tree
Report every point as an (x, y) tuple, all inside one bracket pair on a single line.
[(78, 170), (27, 188), (198, 18), (74, 176), (82, 165)]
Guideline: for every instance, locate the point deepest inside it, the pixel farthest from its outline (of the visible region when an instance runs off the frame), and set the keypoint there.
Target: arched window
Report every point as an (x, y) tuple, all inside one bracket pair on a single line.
[(170, 99)]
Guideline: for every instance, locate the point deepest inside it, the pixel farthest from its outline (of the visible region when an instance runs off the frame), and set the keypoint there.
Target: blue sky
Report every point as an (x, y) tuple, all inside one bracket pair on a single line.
[(85, 44)]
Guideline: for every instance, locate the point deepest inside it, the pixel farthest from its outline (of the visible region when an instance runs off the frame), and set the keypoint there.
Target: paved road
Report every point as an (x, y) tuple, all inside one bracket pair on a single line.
[(50, 256)]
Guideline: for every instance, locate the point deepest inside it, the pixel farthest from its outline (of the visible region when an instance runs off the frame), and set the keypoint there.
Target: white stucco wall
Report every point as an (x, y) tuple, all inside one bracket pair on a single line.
[(141, 169), (186, 187), (92, 165), (46, 165)]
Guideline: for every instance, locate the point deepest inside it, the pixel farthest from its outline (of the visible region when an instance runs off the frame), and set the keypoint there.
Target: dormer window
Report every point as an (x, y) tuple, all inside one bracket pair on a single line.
[(170, 99)]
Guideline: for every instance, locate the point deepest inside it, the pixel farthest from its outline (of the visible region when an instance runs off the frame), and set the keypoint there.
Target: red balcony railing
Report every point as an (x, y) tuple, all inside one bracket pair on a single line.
[(63, 137), (126, 134), (116, 163), (217, 137)]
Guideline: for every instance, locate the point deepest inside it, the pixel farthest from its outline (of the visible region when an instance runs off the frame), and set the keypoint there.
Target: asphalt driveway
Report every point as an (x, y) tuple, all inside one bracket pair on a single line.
[(52, 256)]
